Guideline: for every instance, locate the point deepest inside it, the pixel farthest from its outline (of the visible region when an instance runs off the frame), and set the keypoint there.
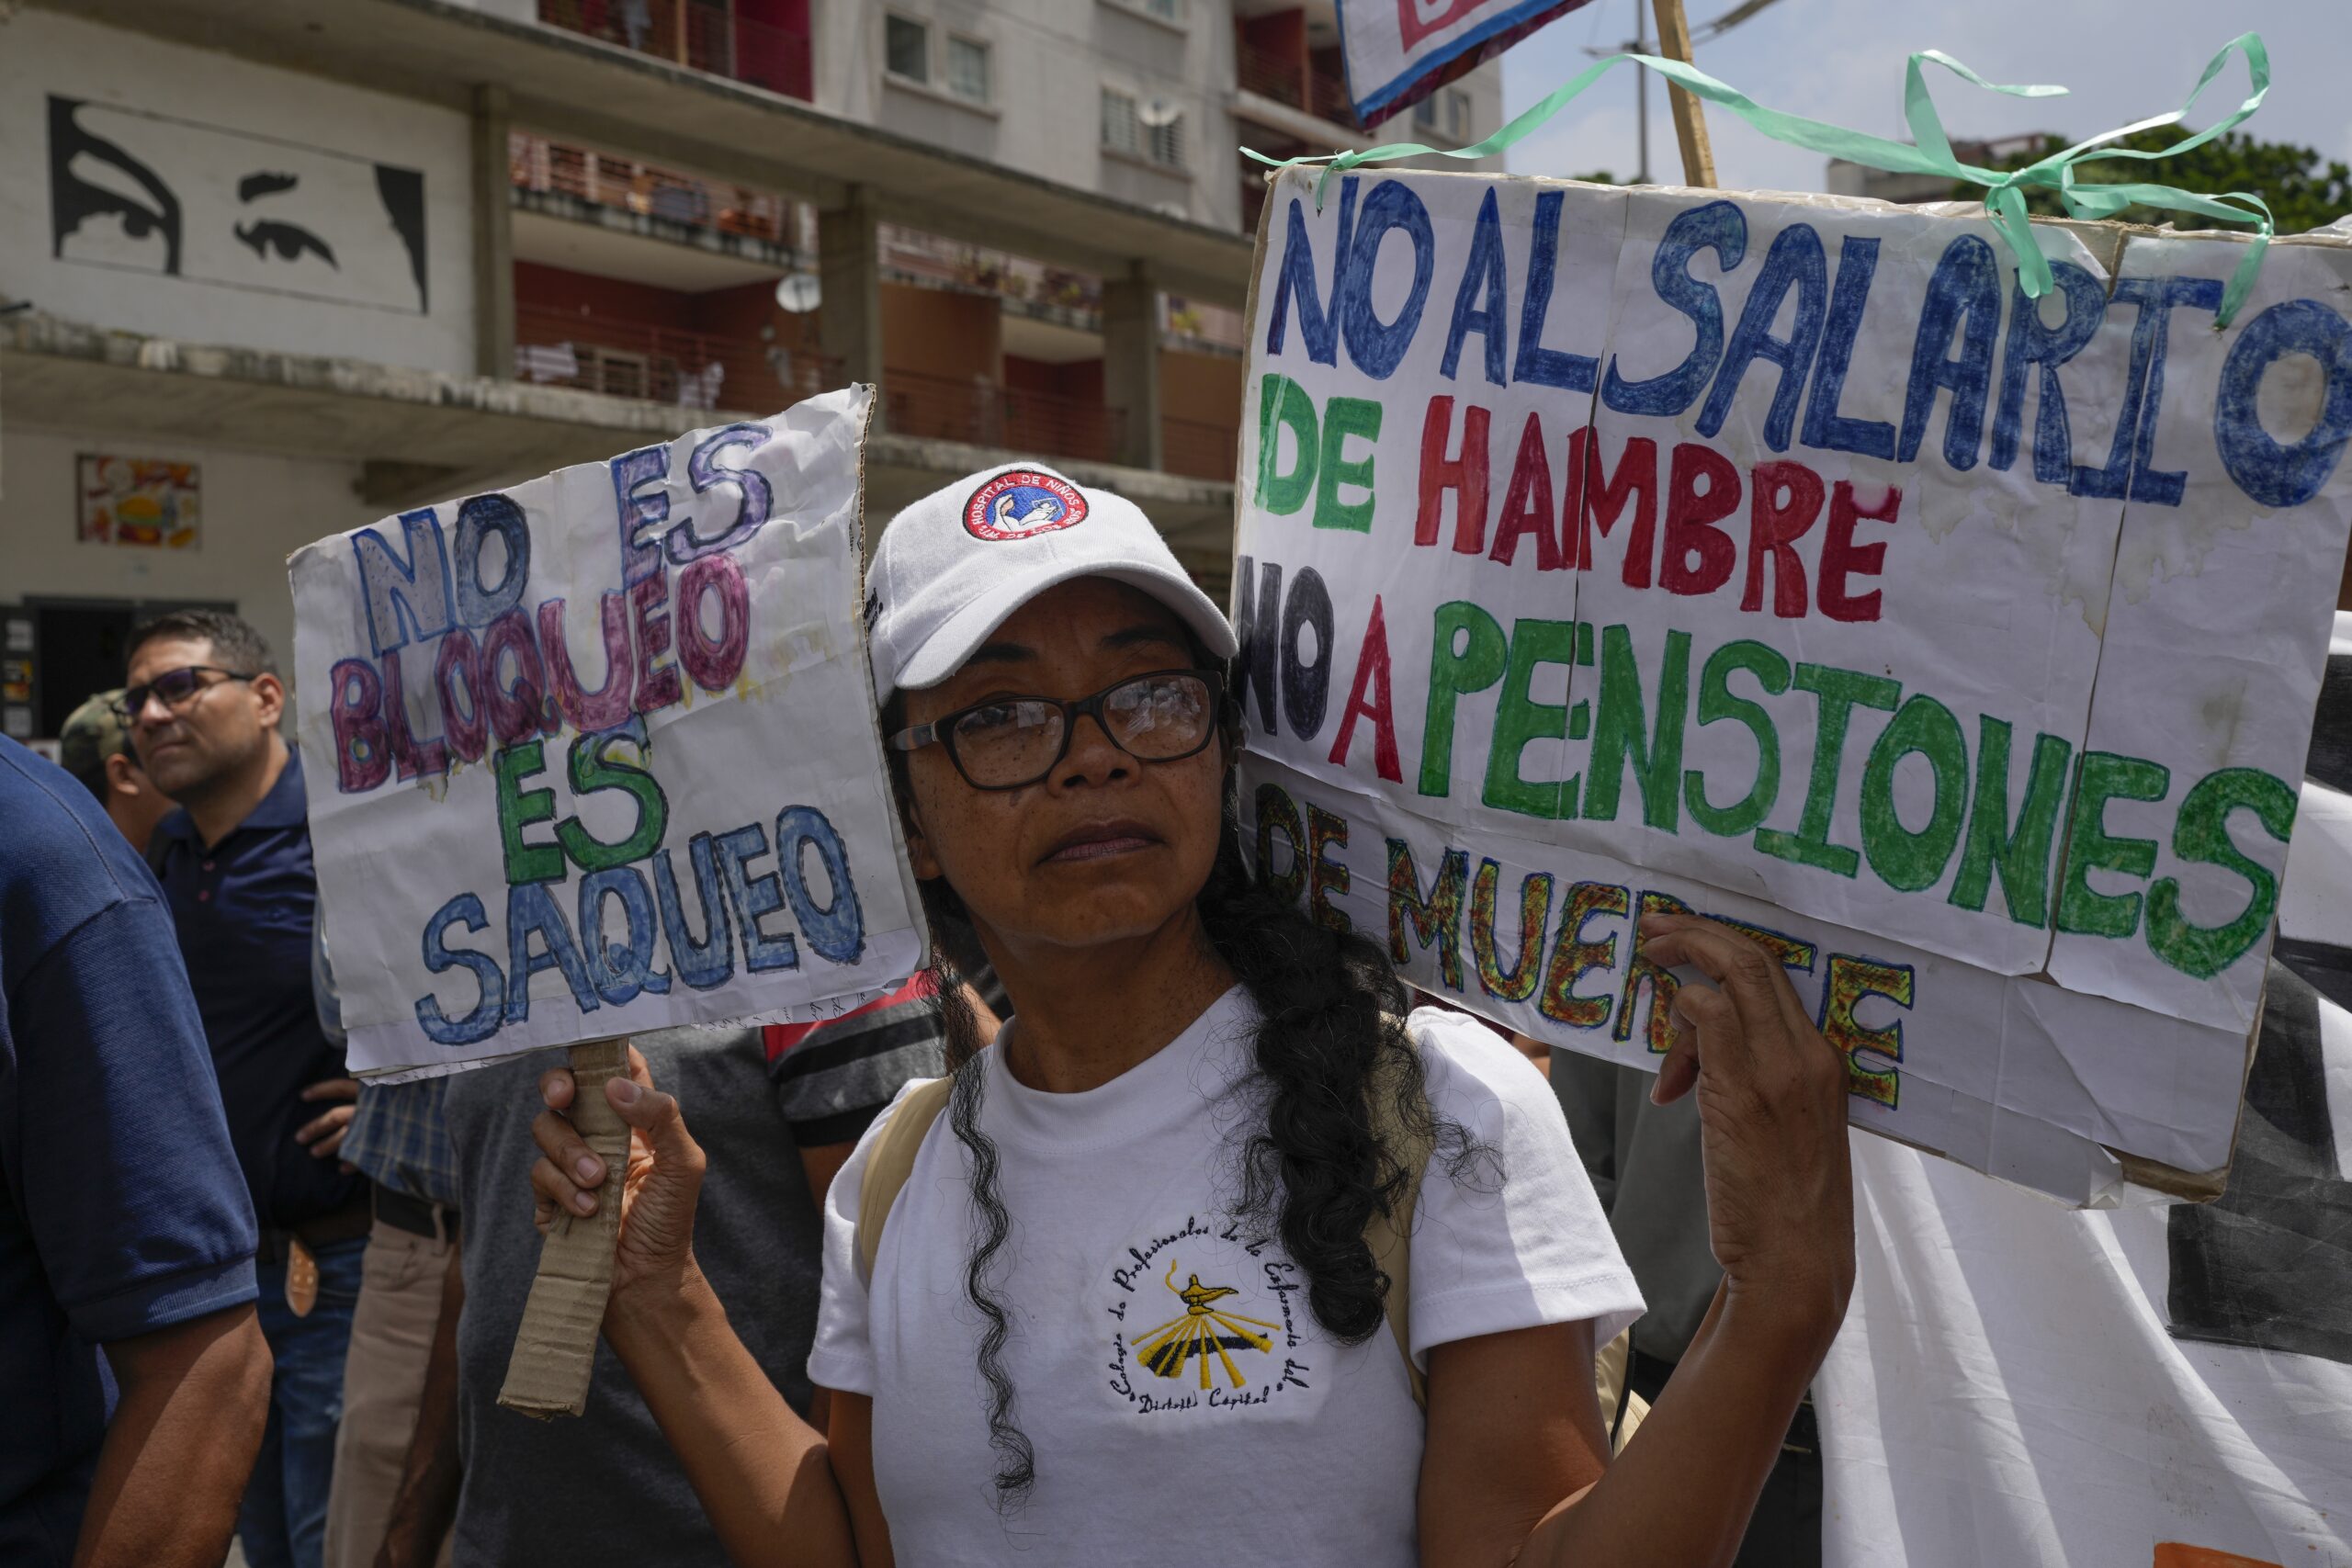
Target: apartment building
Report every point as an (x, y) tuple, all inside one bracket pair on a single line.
[(280, 268)]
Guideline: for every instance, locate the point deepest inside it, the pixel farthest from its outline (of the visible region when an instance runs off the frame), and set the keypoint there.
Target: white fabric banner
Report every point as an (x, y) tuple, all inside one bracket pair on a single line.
[(598, 754)]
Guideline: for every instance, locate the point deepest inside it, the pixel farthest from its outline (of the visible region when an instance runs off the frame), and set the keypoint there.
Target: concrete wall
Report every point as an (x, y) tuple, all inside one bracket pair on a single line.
[(1050, 60), (257, 509), (160, 189)]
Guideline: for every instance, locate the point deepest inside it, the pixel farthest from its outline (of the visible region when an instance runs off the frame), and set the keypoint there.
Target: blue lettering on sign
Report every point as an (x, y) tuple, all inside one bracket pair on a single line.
[(480, 519), (644, 517), (1482, 304), (1539, 366), (1827, 429), (755, 898), (405, 599), (2272, 474), (531, 913), (705, 473), (620, 970), (836, 929), (1296, 282), (1722, 228), (1377, 347), (2032, 343), (2148, 482), (1795, 261), (1963, 296), (710, 962), (482, 1022)]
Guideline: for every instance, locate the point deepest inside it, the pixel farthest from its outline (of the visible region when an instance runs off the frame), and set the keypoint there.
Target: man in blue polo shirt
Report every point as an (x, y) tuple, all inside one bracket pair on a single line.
[(203, 702), (126, 1236)]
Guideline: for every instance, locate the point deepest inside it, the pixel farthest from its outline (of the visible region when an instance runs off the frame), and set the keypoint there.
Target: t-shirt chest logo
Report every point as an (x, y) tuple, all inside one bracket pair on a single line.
[(1202, 1319)]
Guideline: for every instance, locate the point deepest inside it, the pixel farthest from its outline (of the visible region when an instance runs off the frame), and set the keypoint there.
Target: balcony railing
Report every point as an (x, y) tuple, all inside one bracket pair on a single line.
[(1300, 84), (984, 414), (533, 163), (706, 35), (1200, 450), (662, 365)]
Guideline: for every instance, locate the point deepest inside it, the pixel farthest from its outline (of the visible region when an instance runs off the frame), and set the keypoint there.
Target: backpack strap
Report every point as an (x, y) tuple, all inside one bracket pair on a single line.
[(891, 1161), (1390, 1235)]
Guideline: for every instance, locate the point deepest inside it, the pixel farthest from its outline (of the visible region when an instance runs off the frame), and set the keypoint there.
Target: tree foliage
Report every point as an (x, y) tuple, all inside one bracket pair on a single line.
[(2304, 191)]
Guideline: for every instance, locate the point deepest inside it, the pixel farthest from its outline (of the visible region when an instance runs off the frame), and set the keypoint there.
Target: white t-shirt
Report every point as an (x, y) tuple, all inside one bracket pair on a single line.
[(1184, 1406)]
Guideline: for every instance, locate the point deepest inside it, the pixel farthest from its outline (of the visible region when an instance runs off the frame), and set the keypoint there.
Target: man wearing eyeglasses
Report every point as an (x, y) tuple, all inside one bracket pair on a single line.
[(203, 704)]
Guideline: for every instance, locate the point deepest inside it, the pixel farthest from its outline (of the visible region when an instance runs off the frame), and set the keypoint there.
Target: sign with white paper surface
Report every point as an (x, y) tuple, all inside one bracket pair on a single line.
[(1602, 551), (598, 754)]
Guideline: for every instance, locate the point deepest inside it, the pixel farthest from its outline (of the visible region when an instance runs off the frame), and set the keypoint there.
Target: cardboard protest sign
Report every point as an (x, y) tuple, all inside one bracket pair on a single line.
[(1776, 556), (598, 754), (1398, 52)]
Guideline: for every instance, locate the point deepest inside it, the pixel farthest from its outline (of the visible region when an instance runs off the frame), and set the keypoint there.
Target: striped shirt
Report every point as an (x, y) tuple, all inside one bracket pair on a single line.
[(833, 1078)]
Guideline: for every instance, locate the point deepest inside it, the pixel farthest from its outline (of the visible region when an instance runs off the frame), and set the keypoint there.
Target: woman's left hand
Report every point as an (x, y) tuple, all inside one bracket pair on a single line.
[(1772, 1126)]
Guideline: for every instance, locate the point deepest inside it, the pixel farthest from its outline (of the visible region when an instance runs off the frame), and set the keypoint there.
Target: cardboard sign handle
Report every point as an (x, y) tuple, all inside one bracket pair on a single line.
[(555, 1346)]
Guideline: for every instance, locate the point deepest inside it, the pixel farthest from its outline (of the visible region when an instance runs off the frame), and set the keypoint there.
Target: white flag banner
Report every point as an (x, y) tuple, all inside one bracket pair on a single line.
[(1398, 51), (598, 754), (2158, 1386), (1776, 556)]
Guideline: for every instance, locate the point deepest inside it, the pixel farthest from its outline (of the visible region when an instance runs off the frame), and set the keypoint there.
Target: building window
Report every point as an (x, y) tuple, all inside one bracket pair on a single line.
[(1152, 131), (906, 48), (1457, 114), (968, 69), (1425, 114)]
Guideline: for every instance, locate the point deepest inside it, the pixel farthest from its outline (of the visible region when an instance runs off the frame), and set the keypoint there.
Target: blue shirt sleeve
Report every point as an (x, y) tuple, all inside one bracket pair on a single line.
[(126, 1176)]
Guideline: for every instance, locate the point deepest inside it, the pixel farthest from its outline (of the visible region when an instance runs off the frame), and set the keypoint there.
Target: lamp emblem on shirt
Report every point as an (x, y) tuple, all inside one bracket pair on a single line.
[(1202, 1331)]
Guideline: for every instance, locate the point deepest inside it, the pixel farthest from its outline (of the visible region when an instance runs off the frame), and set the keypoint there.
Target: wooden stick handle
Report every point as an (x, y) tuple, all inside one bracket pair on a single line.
[(1689, 118), (555, 1346)]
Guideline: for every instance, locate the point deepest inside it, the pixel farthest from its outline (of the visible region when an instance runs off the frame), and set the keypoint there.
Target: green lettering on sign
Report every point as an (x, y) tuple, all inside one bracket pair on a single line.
[(2019, 851), (2201, 835), (2104, 776), (519, 808), (1343, 417), (1716, 702), (1475, 665), (1904, 860), (1519, 720), (1838, 692)]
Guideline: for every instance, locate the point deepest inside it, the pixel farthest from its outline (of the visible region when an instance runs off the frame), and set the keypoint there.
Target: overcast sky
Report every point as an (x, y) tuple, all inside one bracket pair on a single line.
[(1842, 60)]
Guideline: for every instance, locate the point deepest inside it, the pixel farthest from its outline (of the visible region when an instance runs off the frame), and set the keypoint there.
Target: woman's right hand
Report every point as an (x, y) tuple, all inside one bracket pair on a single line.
[(658, 1191)]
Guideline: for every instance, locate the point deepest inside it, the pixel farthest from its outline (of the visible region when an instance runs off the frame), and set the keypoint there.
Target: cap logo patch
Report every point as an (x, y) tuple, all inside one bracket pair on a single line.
[(1020, 503)]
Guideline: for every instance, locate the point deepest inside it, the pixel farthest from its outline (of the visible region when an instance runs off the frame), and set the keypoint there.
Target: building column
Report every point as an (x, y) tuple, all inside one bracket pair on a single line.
[(849, 272), (1131, 365), (493, 237)]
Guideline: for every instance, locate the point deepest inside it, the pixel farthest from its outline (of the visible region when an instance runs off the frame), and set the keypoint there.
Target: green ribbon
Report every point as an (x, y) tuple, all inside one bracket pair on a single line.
[(1929, 152)]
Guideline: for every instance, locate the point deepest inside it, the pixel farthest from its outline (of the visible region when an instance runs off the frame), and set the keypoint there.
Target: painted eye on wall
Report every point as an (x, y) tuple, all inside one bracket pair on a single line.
[(289, 239)]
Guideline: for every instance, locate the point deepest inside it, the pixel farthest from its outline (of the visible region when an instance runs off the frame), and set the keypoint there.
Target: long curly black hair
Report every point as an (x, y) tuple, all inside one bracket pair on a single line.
[(1331, 1040)]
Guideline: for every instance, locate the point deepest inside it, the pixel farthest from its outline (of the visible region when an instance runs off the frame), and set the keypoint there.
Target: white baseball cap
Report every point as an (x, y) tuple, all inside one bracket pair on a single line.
[(953, 567)]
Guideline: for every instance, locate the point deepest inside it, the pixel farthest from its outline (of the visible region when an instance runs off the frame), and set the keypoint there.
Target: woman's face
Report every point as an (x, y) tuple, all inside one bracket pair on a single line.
[(1106, 847)]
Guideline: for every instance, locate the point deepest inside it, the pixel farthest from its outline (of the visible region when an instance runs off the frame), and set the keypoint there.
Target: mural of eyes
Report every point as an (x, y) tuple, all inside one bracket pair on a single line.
[(94, 178), (289, 239)]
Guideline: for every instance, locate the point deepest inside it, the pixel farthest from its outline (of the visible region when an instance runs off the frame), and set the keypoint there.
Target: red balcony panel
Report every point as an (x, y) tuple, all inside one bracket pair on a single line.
[(984, 414), (764, 43), (1197, 449)]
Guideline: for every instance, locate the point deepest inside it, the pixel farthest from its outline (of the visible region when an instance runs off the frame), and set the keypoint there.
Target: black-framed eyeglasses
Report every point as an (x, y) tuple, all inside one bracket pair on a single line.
[(177, 687), (1013, 742)]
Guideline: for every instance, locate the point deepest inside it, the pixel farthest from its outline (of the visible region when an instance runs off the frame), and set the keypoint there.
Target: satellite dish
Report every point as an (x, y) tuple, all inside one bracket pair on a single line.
[(797, 292), (1160, 112)]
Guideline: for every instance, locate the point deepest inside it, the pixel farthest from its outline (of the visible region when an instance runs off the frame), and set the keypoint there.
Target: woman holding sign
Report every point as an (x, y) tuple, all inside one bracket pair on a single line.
[(1141, 1295)]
